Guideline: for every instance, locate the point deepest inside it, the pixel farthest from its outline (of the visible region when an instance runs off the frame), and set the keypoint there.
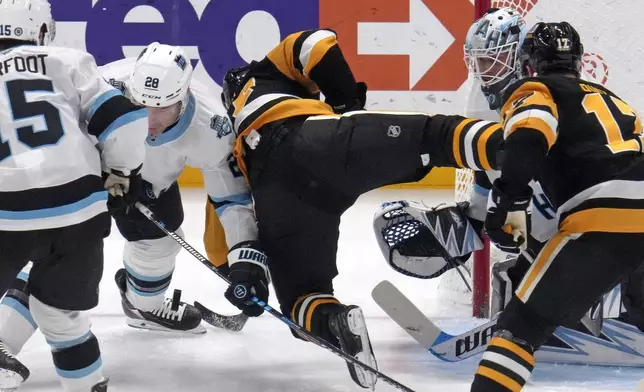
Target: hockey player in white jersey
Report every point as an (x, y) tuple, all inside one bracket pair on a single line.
[(61, 126), (187, 127)]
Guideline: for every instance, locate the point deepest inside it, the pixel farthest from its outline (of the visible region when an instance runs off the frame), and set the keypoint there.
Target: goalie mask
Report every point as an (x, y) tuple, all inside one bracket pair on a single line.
[(424, 242), (491, 51)]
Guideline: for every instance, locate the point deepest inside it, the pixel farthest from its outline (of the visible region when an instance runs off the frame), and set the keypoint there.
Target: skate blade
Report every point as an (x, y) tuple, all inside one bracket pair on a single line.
[(358, 327), (152, 326), (9, 380)]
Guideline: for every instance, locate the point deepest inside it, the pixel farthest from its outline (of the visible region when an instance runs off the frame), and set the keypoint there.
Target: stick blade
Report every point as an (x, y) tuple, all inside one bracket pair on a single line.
[(234, 323), (405, 314)]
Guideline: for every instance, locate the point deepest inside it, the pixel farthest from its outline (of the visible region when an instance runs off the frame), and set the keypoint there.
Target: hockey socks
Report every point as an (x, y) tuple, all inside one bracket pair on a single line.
[(505, 366)]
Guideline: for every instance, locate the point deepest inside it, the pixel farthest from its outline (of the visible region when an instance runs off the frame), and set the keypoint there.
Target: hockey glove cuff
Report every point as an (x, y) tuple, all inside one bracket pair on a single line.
[(249, 277), (507, 221), (123, 188)]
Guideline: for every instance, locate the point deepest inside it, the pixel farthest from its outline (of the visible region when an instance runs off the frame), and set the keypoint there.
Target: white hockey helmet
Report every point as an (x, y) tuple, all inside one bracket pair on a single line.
[(27, 20), (492, 44), (161, 76)]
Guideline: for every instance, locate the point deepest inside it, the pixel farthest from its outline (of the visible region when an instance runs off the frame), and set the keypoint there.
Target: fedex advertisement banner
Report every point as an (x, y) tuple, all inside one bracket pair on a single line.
[(408, 51)]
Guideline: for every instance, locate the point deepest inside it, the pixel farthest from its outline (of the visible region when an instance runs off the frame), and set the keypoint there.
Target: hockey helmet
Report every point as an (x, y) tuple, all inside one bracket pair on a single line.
[(491, 48), (551, 48), (161, 76), (27, 20)]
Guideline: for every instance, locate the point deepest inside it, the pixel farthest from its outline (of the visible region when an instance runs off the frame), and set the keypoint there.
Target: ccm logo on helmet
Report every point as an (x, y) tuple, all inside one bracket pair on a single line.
[(151, 96)]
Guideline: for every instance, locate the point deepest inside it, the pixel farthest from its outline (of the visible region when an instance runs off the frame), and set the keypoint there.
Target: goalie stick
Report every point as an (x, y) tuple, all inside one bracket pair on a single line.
[(232, 323), (620, 344), (296, 327)]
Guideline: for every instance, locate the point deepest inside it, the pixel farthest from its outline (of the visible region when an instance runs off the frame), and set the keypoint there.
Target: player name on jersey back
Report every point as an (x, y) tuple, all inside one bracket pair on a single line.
[(31, 64)]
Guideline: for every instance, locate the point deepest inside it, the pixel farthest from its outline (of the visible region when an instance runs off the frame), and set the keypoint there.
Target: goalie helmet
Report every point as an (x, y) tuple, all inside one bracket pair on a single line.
[(161, 76), (551, 48), (424, 242), (27, 20), (491, 51)]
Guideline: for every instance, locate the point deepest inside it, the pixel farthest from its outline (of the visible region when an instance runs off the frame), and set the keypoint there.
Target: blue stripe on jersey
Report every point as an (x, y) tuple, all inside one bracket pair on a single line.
[(80, 373), (122, 121), (55, 211), (70, 343), (180, 128), (20, 309), (241, 199), (100, 100)]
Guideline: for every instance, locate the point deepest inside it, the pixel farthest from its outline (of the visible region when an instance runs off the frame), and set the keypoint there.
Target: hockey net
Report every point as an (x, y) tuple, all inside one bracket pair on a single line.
[(610, 31)]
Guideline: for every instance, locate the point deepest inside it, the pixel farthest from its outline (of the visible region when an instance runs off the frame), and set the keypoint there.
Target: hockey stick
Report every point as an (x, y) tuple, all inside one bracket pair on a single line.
[(303, 332), (233, 323), (620, 345)]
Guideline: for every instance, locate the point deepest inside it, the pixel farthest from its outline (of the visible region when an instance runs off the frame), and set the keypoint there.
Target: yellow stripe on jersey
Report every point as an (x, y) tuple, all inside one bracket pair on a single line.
[(532, 120), (282, 56), (482, 147), (607, 220), (513, 347), (313, 49), (531, 106), (499, 378), (311, 310), (456, 140), (540, 266), (318, 51), (284, 109)]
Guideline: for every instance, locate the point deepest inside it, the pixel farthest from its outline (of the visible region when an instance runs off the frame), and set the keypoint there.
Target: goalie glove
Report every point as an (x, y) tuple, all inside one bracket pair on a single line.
[(249, 277), (123, 188), (424, 242), (507, 222)]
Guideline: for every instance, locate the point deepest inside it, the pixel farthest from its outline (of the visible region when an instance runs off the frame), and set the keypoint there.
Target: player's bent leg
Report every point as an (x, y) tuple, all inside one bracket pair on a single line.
[(143, 282), (75, 349), (341, 325), (553, 293)]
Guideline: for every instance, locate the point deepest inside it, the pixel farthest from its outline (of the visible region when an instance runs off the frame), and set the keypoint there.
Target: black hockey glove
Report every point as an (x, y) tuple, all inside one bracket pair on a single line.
[(123, 189), (507, 221), (249, 277), (354, 104)]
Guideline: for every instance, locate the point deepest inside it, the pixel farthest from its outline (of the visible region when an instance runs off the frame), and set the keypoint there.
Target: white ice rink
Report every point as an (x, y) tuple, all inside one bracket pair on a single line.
[(264, 356)]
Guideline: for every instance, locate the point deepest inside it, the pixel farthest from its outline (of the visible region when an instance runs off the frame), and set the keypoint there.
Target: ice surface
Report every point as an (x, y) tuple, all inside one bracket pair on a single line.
[(264, 356)]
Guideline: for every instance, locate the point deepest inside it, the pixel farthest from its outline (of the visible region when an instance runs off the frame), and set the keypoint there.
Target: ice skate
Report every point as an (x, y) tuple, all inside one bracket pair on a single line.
[(350, 328), (172, 316), (12, 372)]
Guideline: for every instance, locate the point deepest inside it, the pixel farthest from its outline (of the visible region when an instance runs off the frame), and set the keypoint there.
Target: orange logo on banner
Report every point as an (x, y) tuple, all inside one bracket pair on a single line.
[(392, 71)]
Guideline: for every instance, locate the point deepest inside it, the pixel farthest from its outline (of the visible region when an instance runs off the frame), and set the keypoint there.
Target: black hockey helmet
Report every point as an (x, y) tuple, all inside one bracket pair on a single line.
[(551, 48), (234, 82)]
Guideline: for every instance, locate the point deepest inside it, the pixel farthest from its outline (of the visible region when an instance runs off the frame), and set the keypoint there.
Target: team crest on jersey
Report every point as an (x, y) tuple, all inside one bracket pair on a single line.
[(221, 125), (117, 84)]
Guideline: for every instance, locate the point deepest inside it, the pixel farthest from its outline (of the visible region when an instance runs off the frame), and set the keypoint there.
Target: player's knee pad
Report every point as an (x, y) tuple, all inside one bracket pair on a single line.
[(425, 242), (16, 321), (312, 312), (149, 265), (75, 350)]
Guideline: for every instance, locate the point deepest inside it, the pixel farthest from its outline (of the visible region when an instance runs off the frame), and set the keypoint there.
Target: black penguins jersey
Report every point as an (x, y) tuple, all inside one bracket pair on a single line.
[(577, 138)]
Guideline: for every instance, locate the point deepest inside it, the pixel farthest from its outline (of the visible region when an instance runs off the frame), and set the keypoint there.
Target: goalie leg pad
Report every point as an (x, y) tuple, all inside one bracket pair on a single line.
[(149, 265), (424, 242)]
